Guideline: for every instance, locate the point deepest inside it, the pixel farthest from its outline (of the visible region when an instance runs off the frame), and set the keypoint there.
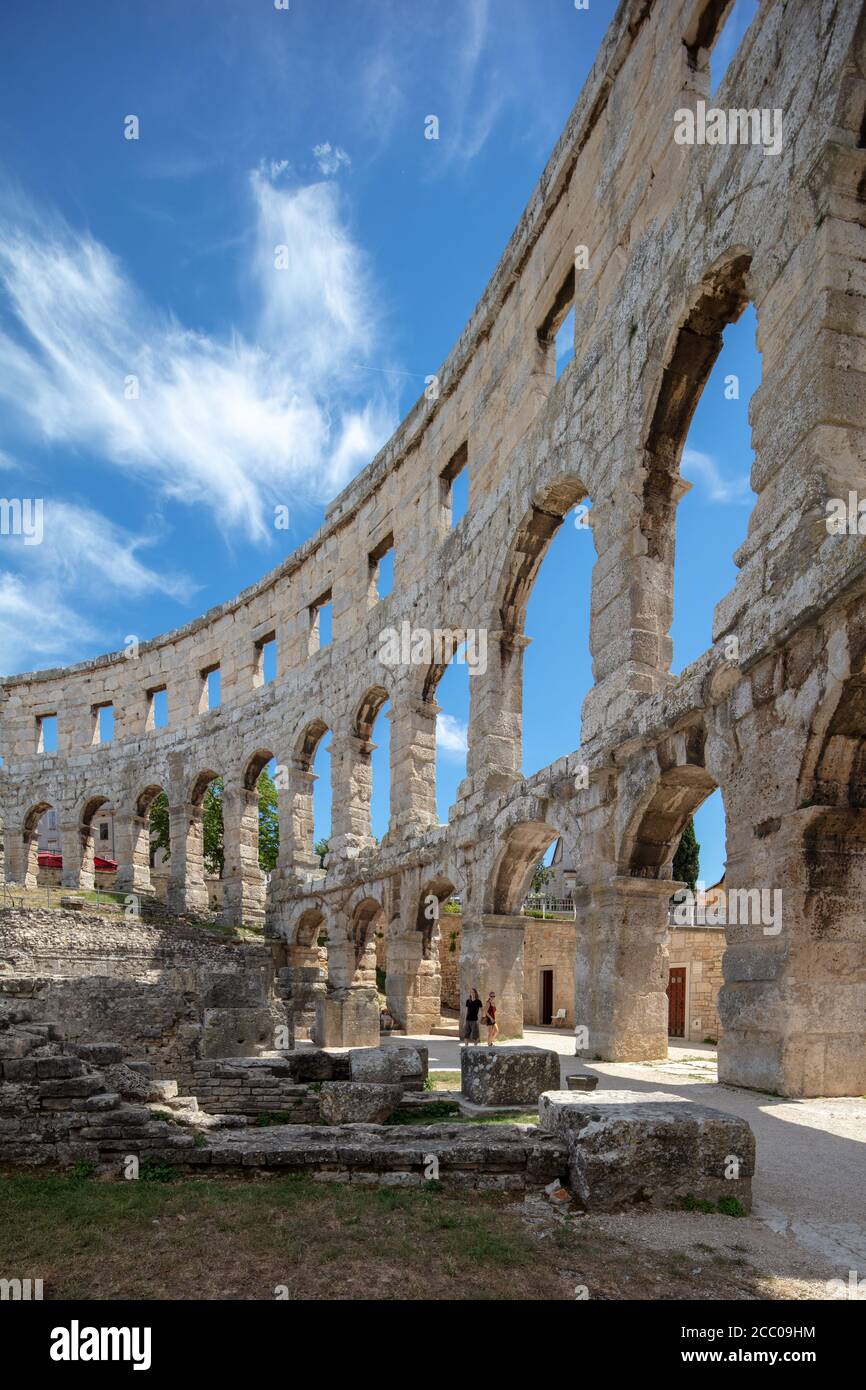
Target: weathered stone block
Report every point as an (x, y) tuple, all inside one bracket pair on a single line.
[(356, 1102), (507, 1075), (630, 1148)]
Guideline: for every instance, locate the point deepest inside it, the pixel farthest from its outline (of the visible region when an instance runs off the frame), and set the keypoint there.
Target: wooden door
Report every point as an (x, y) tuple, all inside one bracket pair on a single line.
[(677, 1001), (546, 996)]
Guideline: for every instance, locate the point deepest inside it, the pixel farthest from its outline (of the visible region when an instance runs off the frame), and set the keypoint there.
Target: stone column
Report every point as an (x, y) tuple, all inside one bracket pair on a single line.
[(414, 984), (22, 858), (496, 715), (295, 806), (794, 995), (351, 790), (491, 958), (243, 880), (132, 852), (620, 975), (413, 764), (303, 981), (187, 891), (76, 843)]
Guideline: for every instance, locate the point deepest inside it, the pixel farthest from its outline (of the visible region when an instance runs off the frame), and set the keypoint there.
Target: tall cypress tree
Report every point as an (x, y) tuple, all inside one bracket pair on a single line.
[(687, 860)]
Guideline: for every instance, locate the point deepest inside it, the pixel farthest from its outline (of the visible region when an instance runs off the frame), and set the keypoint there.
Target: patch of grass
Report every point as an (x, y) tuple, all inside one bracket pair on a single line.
[(154, 1170), (265, 1118), (726, 1206), (83, 1169)]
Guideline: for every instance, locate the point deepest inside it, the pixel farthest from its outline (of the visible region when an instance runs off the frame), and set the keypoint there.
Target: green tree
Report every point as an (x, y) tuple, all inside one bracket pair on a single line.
[(541, 877), (269, 824), (212, 827), (160, 836), (687, 860), (321, 849)]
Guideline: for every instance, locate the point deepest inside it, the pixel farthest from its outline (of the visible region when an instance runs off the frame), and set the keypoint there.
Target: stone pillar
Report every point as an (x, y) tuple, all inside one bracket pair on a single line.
[(243, 880), (413, 764), (414, 984), (132, 852), (76, 842), (22, 858), (351, 791), (297, 855), (187, 891), (491, 958), (794, 995), (303, 981), (620, 975), (496, 715)]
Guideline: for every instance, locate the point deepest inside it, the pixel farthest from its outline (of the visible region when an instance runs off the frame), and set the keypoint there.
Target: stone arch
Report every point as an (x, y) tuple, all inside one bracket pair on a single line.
[(83, 874), (297, 827), (366, 917), (141, 873), (524, 844), (496, 707), (357, 766), (677, 790), (689, 357), (188, 889), (309, 927), (29, 867)]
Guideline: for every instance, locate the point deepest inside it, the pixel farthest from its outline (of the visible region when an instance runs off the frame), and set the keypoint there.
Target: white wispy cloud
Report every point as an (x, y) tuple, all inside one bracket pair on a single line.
[(703, 468), (37, 627), (46, 588), (330, 160), (452, 736), (235, 424)]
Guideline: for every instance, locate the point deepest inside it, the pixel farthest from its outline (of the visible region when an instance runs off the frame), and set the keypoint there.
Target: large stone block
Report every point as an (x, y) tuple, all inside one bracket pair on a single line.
[(630, 1148), (388, 1064), (358, 1102), (236, 1032), (507, 1075)]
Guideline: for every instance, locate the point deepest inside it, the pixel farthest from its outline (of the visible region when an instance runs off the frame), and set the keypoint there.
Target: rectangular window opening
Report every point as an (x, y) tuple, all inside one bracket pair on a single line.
[(46, 733), (454, 488), (157, 708), (266, 660), (382, 569), (211, 688), (321, 623), (103, 723)]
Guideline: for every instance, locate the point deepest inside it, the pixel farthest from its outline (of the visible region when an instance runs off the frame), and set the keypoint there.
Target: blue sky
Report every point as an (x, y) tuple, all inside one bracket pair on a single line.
[(164, 386)]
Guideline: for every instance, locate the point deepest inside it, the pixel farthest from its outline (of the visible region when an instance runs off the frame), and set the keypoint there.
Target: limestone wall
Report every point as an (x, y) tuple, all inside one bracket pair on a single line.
[(165, 993), (678, 239)]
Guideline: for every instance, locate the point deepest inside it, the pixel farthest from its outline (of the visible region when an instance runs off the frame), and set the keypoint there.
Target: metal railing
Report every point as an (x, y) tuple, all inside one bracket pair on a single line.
[(548, 907)]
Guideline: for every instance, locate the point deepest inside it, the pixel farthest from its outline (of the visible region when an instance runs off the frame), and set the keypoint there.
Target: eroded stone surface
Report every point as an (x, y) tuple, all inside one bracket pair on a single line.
[(630, 1148), (358, 1102), (507, 1075)]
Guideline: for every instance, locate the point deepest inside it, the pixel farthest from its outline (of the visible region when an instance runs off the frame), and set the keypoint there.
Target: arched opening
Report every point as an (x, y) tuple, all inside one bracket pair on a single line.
[(371, 780), (679, 836), (523, 852), (151, 841), (40, 823), (367, 919), (86, 870), (447, 692), (310, 798), (500, 731), (721, 499), (307, 969), (557, 663), (205, 845)]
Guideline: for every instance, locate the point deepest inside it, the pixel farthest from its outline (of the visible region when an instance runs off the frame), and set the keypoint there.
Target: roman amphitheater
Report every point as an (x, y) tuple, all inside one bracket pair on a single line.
[(657, 246)]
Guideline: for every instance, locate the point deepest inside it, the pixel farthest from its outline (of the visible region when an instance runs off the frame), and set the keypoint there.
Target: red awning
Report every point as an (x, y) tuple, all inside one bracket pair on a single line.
[(55, 861)]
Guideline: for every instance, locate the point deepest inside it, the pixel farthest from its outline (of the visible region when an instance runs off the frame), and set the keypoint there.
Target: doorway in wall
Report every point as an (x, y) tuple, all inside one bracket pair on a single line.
[(546, 997), (677, 1001)]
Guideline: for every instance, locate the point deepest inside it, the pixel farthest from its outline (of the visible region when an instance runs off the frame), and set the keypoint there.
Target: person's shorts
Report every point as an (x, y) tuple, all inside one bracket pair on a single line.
[(473, 1032)]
